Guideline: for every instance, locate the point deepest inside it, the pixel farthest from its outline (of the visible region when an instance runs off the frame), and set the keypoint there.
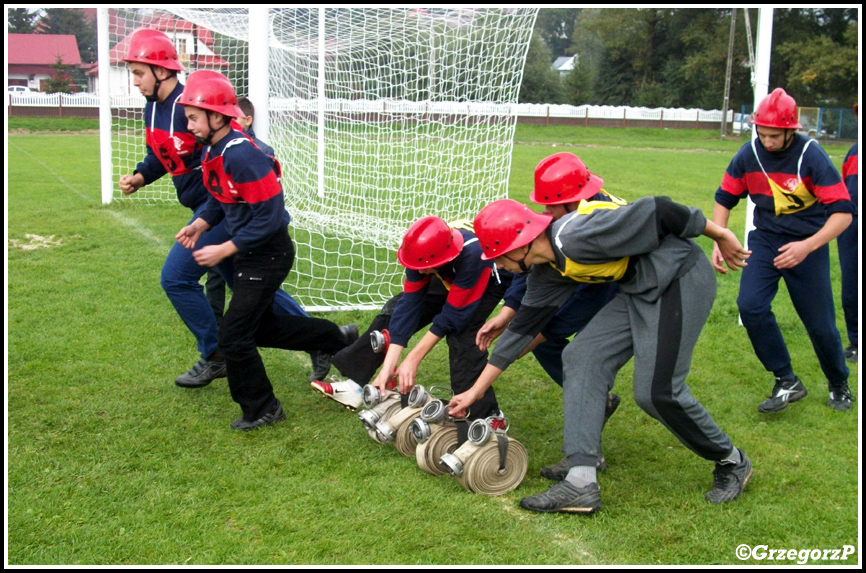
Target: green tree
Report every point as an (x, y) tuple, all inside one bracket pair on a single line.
[(577, 85), (540, 82), (629, 48), (20, 21), (696, 77), (60, 78), (822, 72), (556, 27), (678, 58), (72, 21)]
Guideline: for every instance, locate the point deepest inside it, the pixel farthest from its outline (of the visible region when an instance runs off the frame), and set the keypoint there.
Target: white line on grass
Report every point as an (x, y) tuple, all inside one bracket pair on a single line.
[(129, 222)]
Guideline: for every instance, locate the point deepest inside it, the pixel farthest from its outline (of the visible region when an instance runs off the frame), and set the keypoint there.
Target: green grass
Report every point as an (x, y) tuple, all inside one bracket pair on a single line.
[(110, 463), (52, 124)]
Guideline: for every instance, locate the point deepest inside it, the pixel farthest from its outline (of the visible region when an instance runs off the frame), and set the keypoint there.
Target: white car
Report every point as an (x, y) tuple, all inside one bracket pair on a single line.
[(17, 89), (740, 123)]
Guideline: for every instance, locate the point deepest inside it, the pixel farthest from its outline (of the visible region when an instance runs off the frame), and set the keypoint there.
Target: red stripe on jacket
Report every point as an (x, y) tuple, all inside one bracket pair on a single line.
[(409, 286), (460, 298)]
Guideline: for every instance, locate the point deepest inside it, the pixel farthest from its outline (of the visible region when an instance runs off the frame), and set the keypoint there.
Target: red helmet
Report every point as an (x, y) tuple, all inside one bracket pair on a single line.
[(777, 110), (211, 90), (505, 225), (563, 178), (152, 47), (429, 243)]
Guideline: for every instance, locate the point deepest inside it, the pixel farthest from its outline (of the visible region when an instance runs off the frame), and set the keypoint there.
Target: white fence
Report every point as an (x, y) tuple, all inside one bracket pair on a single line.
[(410, 107)]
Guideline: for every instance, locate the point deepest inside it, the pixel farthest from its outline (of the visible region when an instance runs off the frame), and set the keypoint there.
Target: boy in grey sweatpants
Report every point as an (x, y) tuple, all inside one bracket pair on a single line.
[(667, 287)]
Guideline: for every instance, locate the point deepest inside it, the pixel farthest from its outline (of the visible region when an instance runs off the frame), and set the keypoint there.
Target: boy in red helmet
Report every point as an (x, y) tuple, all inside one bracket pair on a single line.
[(801, 205), (448, 286), (171, 148), (246, 193), (666, 292)]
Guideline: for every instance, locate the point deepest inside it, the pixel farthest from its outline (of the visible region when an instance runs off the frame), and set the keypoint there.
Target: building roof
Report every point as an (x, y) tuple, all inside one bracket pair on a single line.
[(42, 49), (563, 63), (170, 26)]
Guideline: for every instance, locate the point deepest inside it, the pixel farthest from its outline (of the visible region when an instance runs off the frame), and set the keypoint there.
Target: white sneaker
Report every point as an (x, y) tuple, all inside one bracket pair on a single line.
[(347, 392)]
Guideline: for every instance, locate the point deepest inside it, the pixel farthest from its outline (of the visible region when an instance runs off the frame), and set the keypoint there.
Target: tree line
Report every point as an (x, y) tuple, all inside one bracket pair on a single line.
[(650, 57), (662, 57)]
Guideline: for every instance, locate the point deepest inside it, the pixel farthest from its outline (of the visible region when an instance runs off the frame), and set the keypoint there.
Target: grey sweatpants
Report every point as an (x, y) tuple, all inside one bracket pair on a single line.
[(661, 337)]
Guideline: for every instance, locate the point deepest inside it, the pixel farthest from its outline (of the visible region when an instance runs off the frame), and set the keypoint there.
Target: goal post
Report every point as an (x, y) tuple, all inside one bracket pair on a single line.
[(379, 116)]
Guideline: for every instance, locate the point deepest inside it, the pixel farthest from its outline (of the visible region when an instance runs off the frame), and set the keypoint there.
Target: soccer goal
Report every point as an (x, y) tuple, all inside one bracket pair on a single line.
[(379, 116)]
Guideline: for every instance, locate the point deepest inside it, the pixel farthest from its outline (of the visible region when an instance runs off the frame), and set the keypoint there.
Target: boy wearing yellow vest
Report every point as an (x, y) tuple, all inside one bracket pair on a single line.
[(667, 288)]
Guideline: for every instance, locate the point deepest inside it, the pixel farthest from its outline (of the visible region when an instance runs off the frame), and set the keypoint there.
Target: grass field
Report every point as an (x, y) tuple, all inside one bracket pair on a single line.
[(108, 462)]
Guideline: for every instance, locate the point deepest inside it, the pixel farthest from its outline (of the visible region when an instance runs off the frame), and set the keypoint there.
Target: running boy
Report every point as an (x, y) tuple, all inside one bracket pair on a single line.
[(246, 192)]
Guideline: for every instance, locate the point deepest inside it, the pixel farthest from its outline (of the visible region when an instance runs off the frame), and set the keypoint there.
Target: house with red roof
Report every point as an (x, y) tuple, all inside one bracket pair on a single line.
[(30, 57), (194, 44)]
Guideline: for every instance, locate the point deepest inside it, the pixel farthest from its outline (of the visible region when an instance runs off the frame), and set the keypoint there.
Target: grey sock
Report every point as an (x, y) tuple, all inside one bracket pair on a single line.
[(732, 458), (581, 476)]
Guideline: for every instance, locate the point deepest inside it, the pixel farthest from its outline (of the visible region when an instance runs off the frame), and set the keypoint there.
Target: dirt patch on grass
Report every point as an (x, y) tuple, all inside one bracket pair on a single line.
[(32, 242)]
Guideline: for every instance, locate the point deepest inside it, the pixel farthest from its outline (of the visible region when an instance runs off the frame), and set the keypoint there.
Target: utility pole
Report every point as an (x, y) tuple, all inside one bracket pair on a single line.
[(728, 74)]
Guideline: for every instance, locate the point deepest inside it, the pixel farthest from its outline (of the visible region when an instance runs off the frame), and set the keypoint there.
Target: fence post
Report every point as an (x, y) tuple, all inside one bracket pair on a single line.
[(662, 119), (624, 109), (547, 121), (841, 115), (60, 105)]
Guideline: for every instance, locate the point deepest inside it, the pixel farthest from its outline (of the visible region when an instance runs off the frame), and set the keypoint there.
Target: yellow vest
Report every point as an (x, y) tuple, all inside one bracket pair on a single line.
[(602, 272)]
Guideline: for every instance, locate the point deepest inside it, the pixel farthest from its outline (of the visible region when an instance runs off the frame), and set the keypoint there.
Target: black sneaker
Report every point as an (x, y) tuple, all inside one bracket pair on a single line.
[(729, 480), (272, 417), (559, 470), (563, 497), (203, 373), (786, 390), (321, 365), (840, 397), (322, 360), (851, 353)]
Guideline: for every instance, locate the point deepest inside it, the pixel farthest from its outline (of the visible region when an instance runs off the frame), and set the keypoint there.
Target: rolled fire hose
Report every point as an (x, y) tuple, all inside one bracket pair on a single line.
[(442, 440), (404, 439), (387, 430), (489, 462), (485, 473), (436, 434), (379, 408), (394, 406)]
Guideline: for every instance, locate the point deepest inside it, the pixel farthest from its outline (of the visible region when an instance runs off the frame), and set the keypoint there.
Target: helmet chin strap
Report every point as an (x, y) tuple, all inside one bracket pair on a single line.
[(209, 139), (788, 141), (522, 262), (154, 97)]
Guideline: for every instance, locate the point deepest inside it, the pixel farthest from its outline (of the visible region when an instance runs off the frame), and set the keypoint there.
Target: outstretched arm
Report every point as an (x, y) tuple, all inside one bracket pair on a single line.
[(460, 402), (727, 249)]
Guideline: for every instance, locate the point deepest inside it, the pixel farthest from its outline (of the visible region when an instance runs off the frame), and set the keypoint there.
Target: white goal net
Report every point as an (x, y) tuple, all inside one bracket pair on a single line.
[(379, 116)]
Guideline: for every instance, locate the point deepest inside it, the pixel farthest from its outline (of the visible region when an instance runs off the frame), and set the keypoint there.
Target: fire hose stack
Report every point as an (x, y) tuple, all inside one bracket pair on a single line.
[(489, 463)]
